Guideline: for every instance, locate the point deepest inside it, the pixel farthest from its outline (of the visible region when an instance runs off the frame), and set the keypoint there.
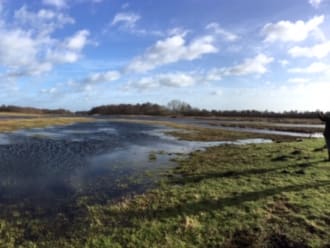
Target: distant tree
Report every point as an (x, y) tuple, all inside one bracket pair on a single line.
[(179, 107)]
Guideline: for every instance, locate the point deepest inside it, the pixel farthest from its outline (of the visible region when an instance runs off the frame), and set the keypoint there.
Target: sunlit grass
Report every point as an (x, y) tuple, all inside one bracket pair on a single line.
[(15, 124), (233, 196), (193, 132), (266, 195), (18, 114)]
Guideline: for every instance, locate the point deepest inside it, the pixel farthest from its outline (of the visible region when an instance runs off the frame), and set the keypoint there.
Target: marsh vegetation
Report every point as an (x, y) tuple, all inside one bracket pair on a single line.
[(129, 183)]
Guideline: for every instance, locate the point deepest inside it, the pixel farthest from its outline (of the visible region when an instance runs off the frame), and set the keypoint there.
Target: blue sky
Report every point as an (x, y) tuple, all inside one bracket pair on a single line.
[(214, 54)]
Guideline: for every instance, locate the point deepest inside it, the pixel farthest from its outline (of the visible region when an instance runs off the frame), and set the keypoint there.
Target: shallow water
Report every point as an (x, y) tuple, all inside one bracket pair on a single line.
[(103, 160), (210, 124)]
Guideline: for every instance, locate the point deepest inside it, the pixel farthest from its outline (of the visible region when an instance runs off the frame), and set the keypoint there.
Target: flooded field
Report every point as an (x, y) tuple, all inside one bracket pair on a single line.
[(104, 160), (68, 185), (304, 129)]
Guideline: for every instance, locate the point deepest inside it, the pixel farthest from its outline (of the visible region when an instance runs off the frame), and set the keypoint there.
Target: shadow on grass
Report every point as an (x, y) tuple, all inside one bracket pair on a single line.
[(211, 205), (185, 179)]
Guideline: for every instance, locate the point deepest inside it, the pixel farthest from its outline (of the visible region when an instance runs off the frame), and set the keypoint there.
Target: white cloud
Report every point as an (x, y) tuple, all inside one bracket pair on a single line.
[(126, 19), (319, 51), (317, 67), (215, 27), (101, 77), (284, 62), (298, 80), (69, 51), (44, 20), (27, 46), (214, 74), (172, 50), (287, 31), (302, 97), (63, 56), (17, 48), (217, 92), (125, 5), (50, 91), (78, 41), (256, 65), (56, 3), (174, 80), (315, 3)]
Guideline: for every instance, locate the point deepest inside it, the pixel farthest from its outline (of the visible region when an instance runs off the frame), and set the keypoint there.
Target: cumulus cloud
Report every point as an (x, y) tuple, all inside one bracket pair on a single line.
[(27, 46), (126, 19), (216, 29), (217, 92), (256, 65), (284, 62), (49, 91), (56, 3), (214, 74), (91, 82), (101, 77), (316, 67), (295, 96), (173, 80), (172, 50), (287, 31), (298, 80), (69, 50), (17, 48), (319, 51), (315, 3), (78, 41), (250, 66), (44, 19)]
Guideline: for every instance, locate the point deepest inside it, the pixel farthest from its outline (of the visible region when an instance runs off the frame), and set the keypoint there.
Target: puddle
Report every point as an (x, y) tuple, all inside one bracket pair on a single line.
[(284, 133), (52, 166), (206, 123)]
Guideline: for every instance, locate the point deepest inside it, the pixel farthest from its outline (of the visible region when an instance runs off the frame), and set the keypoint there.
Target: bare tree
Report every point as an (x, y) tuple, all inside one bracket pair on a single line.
[(178, 106)]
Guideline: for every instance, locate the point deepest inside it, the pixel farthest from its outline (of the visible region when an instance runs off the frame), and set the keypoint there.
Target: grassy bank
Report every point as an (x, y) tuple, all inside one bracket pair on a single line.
[(268, 195), (16, 114), (192, 132), (273, 195), (269, 126), (15, 124)]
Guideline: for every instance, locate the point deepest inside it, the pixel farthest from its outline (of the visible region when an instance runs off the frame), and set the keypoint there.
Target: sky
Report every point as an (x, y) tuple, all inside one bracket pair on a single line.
[(215, 54)]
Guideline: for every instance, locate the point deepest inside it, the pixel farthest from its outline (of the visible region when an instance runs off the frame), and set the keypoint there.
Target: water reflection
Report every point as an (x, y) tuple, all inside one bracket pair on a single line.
[(54, 165)]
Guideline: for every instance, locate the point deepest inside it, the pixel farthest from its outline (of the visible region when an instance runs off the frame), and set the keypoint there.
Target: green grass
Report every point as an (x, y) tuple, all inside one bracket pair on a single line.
[(273, 195), (267, 195), (269, 126), (193, 132)]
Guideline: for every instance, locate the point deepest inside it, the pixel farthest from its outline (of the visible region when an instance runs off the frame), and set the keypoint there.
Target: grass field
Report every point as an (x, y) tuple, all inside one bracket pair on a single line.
[(193, 132), (15, 124), (266, 195), (270, 126), (270, 195)]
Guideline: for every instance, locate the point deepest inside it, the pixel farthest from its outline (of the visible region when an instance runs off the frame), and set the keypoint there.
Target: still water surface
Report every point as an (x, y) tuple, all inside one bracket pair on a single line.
[(104, 160)]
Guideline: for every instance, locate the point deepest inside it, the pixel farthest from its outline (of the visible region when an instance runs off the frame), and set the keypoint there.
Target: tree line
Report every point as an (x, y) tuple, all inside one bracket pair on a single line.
[(180, 108), (30, 110), (174, 108)]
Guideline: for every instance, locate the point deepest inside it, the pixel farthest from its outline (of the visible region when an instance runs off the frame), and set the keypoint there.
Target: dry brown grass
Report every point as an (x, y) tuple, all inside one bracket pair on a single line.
[(15, 124)]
